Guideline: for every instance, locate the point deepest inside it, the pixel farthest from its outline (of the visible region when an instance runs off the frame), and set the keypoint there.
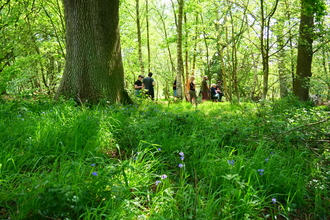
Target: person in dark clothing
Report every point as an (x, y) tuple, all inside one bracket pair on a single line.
[(214, 93), (138, 86), (192, 90), (219, 90), (148, 84), (174, 89)]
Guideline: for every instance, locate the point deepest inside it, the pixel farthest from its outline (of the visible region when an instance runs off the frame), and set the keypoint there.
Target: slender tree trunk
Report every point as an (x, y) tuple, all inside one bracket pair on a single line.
[(56, 32), (282, 76), (167, 43), (229, 89), (291, 46), (326, 72), (138, 26), (235, 39), (265, 46), (282, 73), (148, 34), (305, 53), (180, 70), (94, 69), (224, 74), (264, 52), (194, 58), (208, 72), (195, 47), (186, 78)]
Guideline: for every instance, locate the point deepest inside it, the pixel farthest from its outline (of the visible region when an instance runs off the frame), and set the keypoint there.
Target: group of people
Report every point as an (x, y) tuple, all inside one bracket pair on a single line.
[(216, 90), (147, 84)]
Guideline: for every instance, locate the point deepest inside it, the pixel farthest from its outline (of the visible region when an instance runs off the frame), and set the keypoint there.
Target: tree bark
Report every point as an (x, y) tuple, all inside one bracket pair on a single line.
[(305, 53), (185, 80), (283, 73), (180, 69), (138, 27), (148, 35), (94, 69), (326, 71), (265, 45)]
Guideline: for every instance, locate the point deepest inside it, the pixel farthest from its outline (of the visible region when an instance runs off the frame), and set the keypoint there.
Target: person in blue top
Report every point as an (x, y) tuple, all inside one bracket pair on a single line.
[(149, 84), (214, 93)]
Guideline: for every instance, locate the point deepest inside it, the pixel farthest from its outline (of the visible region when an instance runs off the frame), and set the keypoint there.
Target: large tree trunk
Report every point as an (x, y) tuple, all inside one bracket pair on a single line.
[(94, 68), (305, 53)]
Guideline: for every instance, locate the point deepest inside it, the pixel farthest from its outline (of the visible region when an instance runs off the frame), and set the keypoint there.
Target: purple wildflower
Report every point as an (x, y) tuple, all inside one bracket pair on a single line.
[(157, 182), (94, 173), (274, 200), (182, 158), (231, 162), (164, 176), (181, 154), (180, 165), (93, 165), (261, 171), (159, 149)]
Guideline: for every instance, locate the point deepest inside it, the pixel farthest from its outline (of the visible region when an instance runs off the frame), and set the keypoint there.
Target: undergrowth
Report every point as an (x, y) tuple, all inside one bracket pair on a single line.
[(164, 161)]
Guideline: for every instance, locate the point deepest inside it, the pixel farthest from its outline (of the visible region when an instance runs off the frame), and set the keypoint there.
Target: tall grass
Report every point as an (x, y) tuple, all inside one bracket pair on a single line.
[(164, 161)]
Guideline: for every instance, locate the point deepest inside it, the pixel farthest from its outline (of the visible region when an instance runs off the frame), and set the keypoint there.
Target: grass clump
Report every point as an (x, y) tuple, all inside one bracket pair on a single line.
[(164, 161)]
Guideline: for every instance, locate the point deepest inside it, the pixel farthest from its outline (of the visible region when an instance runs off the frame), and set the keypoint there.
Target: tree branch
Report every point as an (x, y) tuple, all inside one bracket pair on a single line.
[(306, 125)]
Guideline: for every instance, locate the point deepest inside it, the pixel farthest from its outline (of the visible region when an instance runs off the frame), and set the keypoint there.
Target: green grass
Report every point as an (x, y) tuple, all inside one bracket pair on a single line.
[(221, 161)]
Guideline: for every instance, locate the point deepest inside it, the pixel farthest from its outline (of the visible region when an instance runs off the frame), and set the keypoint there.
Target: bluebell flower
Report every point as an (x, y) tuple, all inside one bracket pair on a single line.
[(180, 165), (274, 200), (157, 182), (93, 165), (231, 162), (94, 173), (182, 158), (159, 149), (181, 154), (164, 176), (267, 159), (261, 171)]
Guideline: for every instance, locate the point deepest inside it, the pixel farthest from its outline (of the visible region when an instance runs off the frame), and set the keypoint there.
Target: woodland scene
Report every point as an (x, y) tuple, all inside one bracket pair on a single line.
[(82, 138)]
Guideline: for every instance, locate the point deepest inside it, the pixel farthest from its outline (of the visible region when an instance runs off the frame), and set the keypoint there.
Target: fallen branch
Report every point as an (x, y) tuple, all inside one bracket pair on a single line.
[(306, 125)]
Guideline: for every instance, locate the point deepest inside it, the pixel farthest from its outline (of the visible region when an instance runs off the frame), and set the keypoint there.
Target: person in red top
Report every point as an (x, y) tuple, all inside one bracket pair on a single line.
[(205, 89)]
